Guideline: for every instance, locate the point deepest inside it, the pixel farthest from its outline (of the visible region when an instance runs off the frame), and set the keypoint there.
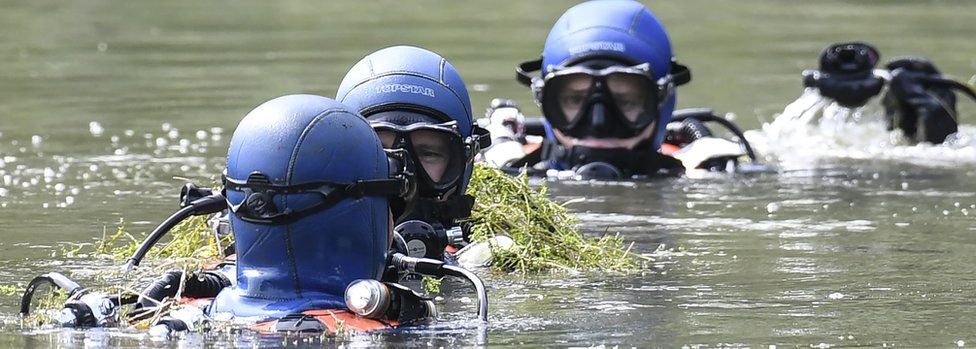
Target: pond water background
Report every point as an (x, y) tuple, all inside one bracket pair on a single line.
[(102, 103)]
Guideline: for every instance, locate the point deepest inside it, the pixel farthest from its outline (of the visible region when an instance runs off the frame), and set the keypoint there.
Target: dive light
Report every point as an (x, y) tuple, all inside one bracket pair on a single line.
[(368, 298), (387, 301)]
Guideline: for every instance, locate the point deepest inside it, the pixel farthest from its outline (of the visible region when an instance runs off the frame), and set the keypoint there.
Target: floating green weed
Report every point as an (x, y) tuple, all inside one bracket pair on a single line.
[(11, 290), (191, 244), (430, 284), (545, 233)]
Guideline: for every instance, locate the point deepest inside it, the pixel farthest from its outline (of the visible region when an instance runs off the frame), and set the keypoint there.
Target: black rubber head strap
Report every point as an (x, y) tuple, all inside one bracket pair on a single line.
[(523, 69), (375, 187), (680, 73), (331, 194)]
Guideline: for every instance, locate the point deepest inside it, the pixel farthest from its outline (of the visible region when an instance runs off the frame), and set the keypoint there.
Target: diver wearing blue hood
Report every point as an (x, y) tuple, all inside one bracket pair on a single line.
[(416, 101), (607, 92), (309, 188), (307, 183)]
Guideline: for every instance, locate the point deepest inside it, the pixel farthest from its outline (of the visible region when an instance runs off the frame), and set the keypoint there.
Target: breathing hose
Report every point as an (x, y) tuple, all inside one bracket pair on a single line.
[(202, 285), (209, 204), (706, 115), (435, 267), (54, 279)]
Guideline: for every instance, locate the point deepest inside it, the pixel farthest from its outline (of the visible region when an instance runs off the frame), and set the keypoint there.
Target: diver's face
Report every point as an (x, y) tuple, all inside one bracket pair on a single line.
[(433, 152), (601, 104), (573, 95), (629, 92), (430, 148)]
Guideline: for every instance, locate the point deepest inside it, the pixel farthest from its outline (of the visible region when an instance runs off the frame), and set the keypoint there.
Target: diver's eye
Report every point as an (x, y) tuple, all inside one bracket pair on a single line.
[(627, 102), (573, 100), (431, 155)]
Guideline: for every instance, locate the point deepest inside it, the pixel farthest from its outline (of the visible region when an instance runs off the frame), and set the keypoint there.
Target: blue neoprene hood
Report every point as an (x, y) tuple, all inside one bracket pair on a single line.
[(408, 76), (283, 269), (614, 29)]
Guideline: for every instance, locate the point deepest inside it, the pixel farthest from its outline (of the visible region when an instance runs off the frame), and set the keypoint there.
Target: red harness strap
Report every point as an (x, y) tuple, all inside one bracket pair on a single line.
[(334, 321)]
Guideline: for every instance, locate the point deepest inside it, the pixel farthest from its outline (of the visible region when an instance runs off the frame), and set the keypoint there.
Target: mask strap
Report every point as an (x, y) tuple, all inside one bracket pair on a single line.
[(680, 73), (481, 137), (523, 69), (376, 187), (258, 206)]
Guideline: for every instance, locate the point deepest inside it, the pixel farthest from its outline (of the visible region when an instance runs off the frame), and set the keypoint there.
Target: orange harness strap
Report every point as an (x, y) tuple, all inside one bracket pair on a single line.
[(334, 321), (669, 149)]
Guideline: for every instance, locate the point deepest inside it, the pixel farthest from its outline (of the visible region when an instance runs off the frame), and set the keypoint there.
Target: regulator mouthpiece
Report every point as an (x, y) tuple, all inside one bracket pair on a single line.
[(368, 298)]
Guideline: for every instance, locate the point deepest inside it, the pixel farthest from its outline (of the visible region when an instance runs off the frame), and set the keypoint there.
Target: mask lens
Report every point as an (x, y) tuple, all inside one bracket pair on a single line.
[(632, 94), (387, 137), (438, 153), (572, 92)]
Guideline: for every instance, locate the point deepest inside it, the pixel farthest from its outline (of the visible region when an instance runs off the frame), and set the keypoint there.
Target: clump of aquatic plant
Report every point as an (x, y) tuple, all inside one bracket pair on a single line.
[(545, 233), (191, 244), (11, 290)]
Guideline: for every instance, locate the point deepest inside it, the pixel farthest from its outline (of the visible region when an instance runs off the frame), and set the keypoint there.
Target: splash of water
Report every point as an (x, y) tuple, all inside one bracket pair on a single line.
[(814, 129)]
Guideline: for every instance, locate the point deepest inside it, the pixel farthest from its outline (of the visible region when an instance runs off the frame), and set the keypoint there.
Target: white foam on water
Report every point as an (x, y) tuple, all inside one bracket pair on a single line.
[(812, 129), (95, 128)]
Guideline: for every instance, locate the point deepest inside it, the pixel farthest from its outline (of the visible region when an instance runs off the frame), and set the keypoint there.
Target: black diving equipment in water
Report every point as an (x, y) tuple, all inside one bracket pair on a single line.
[(86, 308), (846, 74), (920, 101), (83, 308), (425, 240), (205, 284)]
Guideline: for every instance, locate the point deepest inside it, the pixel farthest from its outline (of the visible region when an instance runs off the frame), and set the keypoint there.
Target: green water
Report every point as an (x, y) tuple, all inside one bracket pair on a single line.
[(849, 249)]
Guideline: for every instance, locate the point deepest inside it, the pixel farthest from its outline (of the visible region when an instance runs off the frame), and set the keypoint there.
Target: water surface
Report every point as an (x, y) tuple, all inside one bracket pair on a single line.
[(858, 241)]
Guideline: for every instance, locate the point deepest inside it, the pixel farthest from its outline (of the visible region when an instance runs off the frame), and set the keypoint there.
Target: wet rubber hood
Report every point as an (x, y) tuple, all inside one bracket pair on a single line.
[(415, 80), (305, 264)]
